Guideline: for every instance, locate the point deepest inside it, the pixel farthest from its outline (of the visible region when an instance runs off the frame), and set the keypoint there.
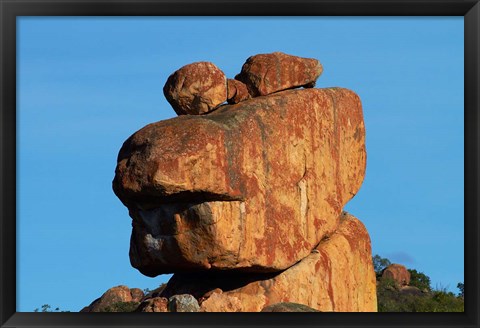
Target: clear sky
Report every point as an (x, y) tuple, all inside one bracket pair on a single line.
[(86, 84)]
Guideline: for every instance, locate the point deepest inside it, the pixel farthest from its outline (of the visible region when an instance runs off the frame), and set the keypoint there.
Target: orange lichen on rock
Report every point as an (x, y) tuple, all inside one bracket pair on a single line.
[(268, 73), (251, 186), (337, 276)]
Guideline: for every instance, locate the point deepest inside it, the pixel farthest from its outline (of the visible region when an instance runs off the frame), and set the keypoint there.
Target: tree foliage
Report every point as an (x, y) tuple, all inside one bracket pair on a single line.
[(419, 280), (48, 308), (460, 287), (393, 298), (380, 263), (390, 300), (121, 307)]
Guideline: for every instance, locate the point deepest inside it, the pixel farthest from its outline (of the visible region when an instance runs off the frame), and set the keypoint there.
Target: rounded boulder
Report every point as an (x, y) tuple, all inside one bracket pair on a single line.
[(195, 89)]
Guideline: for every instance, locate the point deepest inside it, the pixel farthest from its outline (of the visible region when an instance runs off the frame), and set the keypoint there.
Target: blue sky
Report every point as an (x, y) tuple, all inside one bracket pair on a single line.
[(86, 84)]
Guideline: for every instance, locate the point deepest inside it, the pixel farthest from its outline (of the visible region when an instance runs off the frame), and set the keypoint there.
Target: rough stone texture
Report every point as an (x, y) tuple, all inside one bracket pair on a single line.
[(207, 295), (398, 273), (183, 303), (113, 295), (252, 186), (216, 302), (237, 91), (155, 304), (137, 294), (337, 276), (156, 292), (268, 73), (196, 88), (288, 307)]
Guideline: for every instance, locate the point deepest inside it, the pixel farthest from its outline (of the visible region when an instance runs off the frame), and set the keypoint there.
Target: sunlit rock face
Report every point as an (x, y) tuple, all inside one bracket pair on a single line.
[(252, 186), (336, 276), (264, 74), (196, 88)]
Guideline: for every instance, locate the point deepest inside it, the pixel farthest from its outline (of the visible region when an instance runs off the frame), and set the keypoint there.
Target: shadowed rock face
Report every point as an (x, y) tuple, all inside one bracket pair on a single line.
[(237, 91), (253, 186)]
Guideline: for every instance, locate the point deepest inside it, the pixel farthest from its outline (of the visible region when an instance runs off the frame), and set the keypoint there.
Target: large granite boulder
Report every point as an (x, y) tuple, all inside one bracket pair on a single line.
[(253, 186)]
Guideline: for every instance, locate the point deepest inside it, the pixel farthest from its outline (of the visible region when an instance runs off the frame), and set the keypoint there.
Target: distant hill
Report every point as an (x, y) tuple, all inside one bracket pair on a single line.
[(406, 290)]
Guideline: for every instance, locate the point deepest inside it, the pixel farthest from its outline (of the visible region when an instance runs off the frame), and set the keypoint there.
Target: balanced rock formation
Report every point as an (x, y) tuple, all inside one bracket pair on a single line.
[(251, 186), (196, 88), (118, 294), (397, 273), (268, 73), (244, 203), (340, 265)]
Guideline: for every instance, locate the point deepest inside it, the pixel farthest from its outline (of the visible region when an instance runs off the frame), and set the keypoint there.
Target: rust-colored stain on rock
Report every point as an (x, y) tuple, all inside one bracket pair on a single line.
[(196, 88), (338, 276), (247, 167), (268, 73)]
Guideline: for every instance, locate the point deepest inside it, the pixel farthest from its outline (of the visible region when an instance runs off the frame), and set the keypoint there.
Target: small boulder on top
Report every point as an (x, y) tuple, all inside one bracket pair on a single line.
[(268, 73), (237, 91), (197, 88)]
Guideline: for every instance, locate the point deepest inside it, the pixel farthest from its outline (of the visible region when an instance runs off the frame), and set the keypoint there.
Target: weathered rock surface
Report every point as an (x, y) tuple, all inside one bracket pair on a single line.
[(398, 273), (237, 91), (268, 73), (155, 304), (196, 88), (183, 303), (288, 307), (114, 295), (216, 302), (337, 276), (252, 186), (137, 294)]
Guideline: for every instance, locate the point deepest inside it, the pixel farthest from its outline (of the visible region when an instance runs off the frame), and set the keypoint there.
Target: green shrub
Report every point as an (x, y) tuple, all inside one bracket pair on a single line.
[(419, 280), (392, 300), (461, 287), (121, 307), (380, 263), (47, 308)]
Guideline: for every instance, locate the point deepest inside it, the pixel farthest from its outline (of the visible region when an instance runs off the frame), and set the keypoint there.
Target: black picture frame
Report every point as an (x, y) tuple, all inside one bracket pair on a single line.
[(10, 9)]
